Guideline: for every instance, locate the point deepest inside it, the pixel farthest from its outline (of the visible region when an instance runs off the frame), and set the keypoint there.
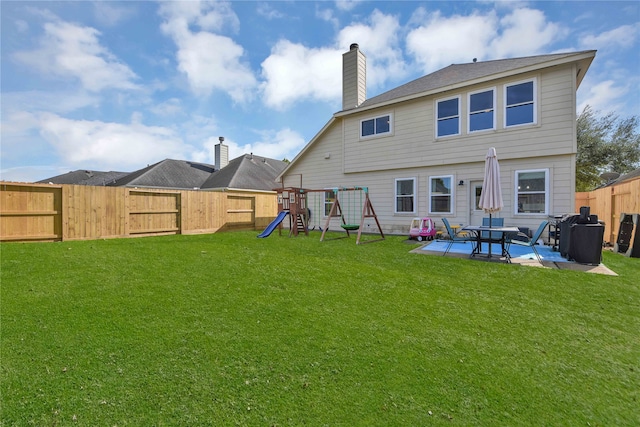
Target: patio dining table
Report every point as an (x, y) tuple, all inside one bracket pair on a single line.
[(503, 232)]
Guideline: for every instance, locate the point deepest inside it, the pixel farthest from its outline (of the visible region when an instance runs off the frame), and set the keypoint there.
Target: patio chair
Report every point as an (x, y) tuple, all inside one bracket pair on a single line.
[(487, 235), (455, 238), (531, 242)]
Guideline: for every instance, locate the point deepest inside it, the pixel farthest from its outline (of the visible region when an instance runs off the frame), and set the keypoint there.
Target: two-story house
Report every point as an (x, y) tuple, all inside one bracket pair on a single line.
[(420, 148)]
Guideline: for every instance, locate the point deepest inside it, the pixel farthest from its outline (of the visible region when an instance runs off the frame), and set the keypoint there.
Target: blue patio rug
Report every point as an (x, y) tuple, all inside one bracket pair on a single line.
[(517, 252)]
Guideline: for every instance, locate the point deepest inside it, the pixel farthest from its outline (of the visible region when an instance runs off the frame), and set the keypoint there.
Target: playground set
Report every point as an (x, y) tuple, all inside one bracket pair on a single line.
[(351, 204)]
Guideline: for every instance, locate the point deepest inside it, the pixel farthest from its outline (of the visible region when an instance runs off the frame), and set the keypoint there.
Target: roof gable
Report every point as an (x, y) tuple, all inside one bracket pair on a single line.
[(247, 172), (85, 177), (168, 173)]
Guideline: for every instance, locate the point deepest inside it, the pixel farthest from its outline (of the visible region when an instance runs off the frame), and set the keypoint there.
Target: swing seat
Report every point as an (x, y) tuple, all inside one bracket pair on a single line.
[(350, 227)]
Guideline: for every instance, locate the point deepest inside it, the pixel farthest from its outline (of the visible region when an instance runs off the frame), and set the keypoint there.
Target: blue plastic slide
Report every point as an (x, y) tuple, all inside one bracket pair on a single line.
[(273, 224)]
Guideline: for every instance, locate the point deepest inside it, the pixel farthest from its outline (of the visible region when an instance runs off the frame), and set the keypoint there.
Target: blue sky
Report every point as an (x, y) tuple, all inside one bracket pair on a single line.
[(118, 85)]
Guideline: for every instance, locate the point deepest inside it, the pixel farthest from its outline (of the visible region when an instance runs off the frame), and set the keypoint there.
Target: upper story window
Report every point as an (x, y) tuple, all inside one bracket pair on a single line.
[(441, 194), (405, 195), (481, 110), (520, 103), (375, 126), (532, 191), (448, 117)]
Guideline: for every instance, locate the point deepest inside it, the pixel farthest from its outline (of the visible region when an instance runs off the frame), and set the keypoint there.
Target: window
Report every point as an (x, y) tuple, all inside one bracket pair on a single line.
[(532, 191), (448, 117), (375, 126), (440, 194), (405, 195), (481, 110), (520, 104), (329, 198)]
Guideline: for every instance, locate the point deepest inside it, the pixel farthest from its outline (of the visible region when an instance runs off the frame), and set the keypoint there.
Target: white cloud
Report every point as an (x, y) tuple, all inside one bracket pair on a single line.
[(525, 32), (52, 101), (213, 62), (268, 12), (273, 144), (294, 72), (169, 108), (347, 5), (624, 37), (112, 13), (278, 144), (443, 41), (101, 145), (603, 96), (209, 61), (72, 51), (378, 39), (458, 39)]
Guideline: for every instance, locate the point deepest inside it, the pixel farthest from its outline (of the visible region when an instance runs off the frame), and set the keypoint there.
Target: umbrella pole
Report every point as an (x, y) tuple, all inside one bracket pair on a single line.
[(490, 223)]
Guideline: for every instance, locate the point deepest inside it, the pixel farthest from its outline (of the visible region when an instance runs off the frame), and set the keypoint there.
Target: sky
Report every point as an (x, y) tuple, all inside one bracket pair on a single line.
[(119, 85)]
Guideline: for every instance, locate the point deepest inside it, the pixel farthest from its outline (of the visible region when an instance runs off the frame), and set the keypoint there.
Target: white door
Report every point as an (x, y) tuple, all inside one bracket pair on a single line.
[(476, 213)]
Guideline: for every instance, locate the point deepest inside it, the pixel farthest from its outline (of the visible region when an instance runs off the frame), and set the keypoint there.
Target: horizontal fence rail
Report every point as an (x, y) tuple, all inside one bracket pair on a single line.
[(609, 203), (41, 212)]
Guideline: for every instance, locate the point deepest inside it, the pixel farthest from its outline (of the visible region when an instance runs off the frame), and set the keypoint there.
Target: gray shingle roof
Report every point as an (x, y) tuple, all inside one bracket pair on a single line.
[(456, 74), (168, 173), (249, 172), (85, 177)]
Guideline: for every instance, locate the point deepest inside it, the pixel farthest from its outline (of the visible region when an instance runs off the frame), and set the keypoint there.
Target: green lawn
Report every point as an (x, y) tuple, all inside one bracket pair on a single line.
[(228, 329)]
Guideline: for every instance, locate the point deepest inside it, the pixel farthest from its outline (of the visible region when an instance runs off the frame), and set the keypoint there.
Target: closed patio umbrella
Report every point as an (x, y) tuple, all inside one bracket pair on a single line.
[(491, 195)]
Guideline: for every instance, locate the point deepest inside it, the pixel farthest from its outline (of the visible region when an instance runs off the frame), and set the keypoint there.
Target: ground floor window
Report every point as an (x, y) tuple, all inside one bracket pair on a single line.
[(405, 195), (532, 191), (329, 198), (440, 194)]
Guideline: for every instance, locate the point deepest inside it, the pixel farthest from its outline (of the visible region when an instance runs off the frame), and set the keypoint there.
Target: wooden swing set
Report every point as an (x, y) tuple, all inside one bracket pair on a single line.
[(293, 200), (366, 209)]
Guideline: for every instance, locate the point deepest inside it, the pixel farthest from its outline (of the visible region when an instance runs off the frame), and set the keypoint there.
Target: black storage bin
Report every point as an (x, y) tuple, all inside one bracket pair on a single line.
[(585, 243), (565, 233)]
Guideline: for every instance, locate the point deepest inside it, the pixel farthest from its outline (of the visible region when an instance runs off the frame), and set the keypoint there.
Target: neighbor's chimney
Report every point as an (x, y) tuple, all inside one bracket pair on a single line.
[(221, 154), (354, 77)]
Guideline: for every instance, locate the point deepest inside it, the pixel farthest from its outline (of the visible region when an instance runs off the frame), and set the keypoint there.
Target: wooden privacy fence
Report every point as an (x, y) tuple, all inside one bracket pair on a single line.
[(610, 202), (31, 212)]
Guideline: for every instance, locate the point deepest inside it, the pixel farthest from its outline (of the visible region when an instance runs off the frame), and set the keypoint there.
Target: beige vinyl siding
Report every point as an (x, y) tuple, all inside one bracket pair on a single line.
[(316, 170), (413, 143)]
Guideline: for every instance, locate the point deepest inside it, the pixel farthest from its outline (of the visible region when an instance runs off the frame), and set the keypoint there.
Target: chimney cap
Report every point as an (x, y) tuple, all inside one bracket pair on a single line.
[(353, 46)]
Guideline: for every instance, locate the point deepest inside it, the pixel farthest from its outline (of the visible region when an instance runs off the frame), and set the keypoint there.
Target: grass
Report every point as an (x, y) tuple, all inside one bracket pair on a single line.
[(227, 329)]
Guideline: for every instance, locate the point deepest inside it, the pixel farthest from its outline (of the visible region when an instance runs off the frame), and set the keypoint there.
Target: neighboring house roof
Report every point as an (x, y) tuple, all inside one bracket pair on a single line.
[(168, 173), (85, 177), (460, 75), (249, 172), (626, 177)]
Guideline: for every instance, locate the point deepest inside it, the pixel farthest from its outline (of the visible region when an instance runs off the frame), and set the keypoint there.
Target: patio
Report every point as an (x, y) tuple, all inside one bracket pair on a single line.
[(519, 255)]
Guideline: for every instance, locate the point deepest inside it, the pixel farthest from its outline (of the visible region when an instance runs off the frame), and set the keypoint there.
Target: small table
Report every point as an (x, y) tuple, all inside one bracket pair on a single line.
[(502, 231)]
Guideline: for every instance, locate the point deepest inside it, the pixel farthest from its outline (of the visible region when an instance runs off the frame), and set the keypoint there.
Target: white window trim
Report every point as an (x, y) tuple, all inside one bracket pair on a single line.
[(395, 196), (376, 134), (535, 103), (459, 116), (469, 109), (547, 197), (451, 195)]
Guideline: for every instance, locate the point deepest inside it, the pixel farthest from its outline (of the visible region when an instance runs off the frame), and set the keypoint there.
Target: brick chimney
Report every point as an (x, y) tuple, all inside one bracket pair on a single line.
[(354, 77)]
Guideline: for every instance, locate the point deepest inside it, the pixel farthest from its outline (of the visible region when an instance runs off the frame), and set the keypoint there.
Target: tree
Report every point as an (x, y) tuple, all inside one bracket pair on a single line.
[(605, 144)]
